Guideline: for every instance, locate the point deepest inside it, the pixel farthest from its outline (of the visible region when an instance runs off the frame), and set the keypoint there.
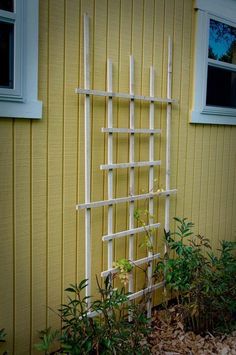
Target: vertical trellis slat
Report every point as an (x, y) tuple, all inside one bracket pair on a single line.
[(168, 134), (110, 159), (151, 178), (131, 172), (87, 136)]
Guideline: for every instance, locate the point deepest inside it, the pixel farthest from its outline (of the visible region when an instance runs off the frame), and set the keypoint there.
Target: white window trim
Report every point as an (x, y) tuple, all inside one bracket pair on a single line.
[(22, 101), (222, 10)]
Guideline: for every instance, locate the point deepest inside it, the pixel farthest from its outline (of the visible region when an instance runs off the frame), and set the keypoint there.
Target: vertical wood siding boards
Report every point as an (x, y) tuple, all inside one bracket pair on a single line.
[(137, 52), (99, 120), (72, 43), (159, 17), (22, 234), (204, 179), (197, 182), (231, 195), (121, 183), (230, 233), (233, 231), (211, 181), (217, 186), (143, 121), (113, 47), (6, 230), (223, 188), (178, 125), (39, 188), (55, 153), (168, 31), (187, 136), (85, 7)]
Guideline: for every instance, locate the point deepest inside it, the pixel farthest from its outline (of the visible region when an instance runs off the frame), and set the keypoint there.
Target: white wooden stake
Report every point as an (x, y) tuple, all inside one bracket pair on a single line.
[(151, 180), (87, 157), (110, 159), (168, 136), (131, 174)]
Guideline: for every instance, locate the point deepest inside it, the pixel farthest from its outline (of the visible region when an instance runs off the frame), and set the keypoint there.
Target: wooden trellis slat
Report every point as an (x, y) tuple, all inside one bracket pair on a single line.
[(130, 130), (138, 262), (118, 200), (131, 170), (151, 179), (141, 293), (124, 96), (110, 159), (130, 231), (87, 170), (131, 165)]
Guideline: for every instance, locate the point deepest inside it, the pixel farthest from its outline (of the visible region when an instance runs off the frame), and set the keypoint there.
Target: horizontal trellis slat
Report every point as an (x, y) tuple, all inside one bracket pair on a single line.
[(131, 130), (130, 231), (123, 95), (124, 199), (134, 295), (137, 164), (133, 262), (145, 291)]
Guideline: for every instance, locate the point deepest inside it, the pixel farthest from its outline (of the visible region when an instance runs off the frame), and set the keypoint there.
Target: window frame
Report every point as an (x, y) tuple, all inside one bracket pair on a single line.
[(22, 101), (202, 113)]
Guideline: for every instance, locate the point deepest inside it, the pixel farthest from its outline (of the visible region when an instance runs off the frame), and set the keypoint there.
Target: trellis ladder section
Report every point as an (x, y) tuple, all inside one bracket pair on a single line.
[(131, 165)]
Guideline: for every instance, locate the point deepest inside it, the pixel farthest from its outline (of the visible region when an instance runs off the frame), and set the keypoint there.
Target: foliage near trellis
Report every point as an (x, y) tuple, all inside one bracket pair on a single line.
[(203, 281)]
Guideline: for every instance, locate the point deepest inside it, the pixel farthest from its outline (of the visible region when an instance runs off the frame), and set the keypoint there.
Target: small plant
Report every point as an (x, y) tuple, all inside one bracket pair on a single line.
[(203, 282), (140, 217), (125, 267), (109, 332), (48, 338), (2, 335)]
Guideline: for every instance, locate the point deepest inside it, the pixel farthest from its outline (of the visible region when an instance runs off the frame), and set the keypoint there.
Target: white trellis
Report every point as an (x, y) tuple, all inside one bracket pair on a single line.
[(131, 165)]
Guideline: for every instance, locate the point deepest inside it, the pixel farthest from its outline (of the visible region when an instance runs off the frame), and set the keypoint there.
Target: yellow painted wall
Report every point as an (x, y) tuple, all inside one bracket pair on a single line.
[(42, 162)]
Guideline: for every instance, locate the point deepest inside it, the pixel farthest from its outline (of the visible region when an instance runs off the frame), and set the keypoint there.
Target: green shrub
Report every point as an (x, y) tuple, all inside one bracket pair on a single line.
[(203, 282), (109, 332)]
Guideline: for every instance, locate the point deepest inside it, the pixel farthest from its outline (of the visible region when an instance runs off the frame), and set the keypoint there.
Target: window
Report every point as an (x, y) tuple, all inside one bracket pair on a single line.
[(19, 59), (214, 99)]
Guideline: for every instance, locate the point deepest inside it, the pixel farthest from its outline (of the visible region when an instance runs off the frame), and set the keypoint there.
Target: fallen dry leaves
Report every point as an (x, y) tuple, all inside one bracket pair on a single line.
[(169, 338)]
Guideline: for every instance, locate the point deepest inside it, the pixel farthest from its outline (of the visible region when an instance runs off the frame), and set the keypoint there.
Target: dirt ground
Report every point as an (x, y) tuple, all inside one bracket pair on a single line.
[(169, 338)]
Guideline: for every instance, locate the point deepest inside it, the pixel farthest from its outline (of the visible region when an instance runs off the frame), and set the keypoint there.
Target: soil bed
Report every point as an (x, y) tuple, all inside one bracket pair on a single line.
[(169, 338)]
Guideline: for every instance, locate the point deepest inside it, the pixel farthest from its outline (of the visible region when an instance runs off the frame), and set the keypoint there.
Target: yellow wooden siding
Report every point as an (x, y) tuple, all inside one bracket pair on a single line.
[(42, 162)]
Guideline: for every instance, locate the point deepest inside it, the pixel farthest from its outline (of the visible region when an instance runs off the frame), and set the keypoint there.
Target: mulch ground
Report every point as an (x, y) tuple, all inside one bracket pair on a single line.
[(169, 338)]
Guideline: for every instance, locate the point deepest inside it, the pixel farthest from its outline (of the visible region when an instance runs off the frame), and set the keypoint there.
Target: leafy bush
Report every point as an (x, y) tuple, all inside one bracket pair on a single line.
[(109, 332), (204, 282)]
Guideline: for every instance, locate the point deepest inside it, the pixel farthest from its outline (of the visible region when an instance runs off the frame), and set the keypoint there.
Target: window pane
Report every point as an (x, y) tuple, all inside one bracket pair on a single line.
[(6, 54), (7, 5), (221, 87), (222, 42)]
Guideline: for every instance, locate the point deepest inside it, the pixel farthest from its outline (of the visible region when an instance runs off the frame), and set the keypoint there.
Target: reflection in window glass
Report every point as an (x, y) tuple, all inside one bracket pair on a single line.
[(7, 5), (222, 42), (221, 87), (6, 54)]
